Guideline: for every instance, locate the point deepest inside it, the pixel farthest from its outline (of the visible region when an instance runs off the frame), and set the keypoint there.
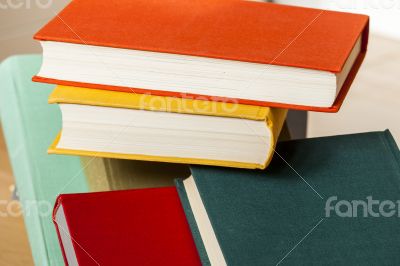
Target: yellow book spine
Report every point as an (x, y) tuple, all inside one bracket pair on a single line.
[(275, 119)]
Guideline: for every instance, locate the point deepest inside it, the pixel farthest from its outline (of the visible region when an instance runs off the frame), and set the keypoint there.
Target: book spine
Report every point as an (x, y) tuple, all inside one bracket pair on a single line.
[(15, 134), (56, 207), (192, 222)]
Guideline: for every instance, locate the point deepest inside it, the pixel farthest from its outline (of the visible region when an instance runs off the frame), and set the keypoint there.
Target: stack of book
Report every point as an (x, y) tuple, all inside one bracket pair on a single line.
[(198, 85), (208, 83)]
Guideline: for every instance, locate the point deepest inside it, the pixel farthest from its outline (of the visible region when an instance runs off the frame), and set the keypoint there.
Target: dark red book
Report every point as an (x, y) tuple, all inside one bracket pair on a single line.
[(132, 227)]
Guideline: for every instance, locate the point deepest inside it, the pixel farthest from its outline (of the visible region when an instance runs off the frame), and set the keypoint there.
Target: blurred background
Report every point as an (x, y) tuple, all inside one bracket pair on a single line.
[(372, 104)]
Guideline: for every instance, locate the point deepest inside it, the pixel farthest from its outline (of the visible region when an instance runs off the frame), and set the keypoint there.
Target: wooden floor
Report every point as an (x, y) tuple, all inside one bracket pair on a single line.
[(372, 104)]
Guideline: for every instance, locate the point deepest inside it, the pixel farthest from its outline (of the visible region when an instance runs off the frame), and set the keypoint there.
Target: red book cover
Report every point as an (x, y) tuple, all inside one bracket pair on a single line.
[(224, 29), (135, 227)]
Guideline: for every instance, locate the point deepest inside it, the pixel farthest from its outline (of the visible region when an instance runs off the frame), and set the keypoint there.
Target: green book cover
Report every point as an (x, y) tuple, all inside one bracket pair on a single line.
[(322, 201), (30, 125)]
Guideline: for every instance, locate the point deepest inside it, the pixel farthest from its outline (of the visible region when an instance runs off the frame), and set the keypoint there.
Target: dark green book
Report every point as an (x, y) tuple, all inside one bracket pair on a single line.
[(322, 201)]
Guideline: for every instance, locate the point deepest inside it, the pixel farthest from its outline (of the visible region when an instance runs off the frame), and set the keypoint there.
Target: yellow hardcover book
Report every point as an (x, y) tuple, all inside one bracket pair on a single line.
[(133, 126)]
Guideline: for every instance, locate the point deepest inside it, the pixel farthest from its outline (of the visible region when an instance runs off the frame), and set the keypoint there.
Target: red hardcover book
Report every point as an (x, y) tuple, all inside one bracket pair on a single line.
[(247, 52), (132, 227)]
